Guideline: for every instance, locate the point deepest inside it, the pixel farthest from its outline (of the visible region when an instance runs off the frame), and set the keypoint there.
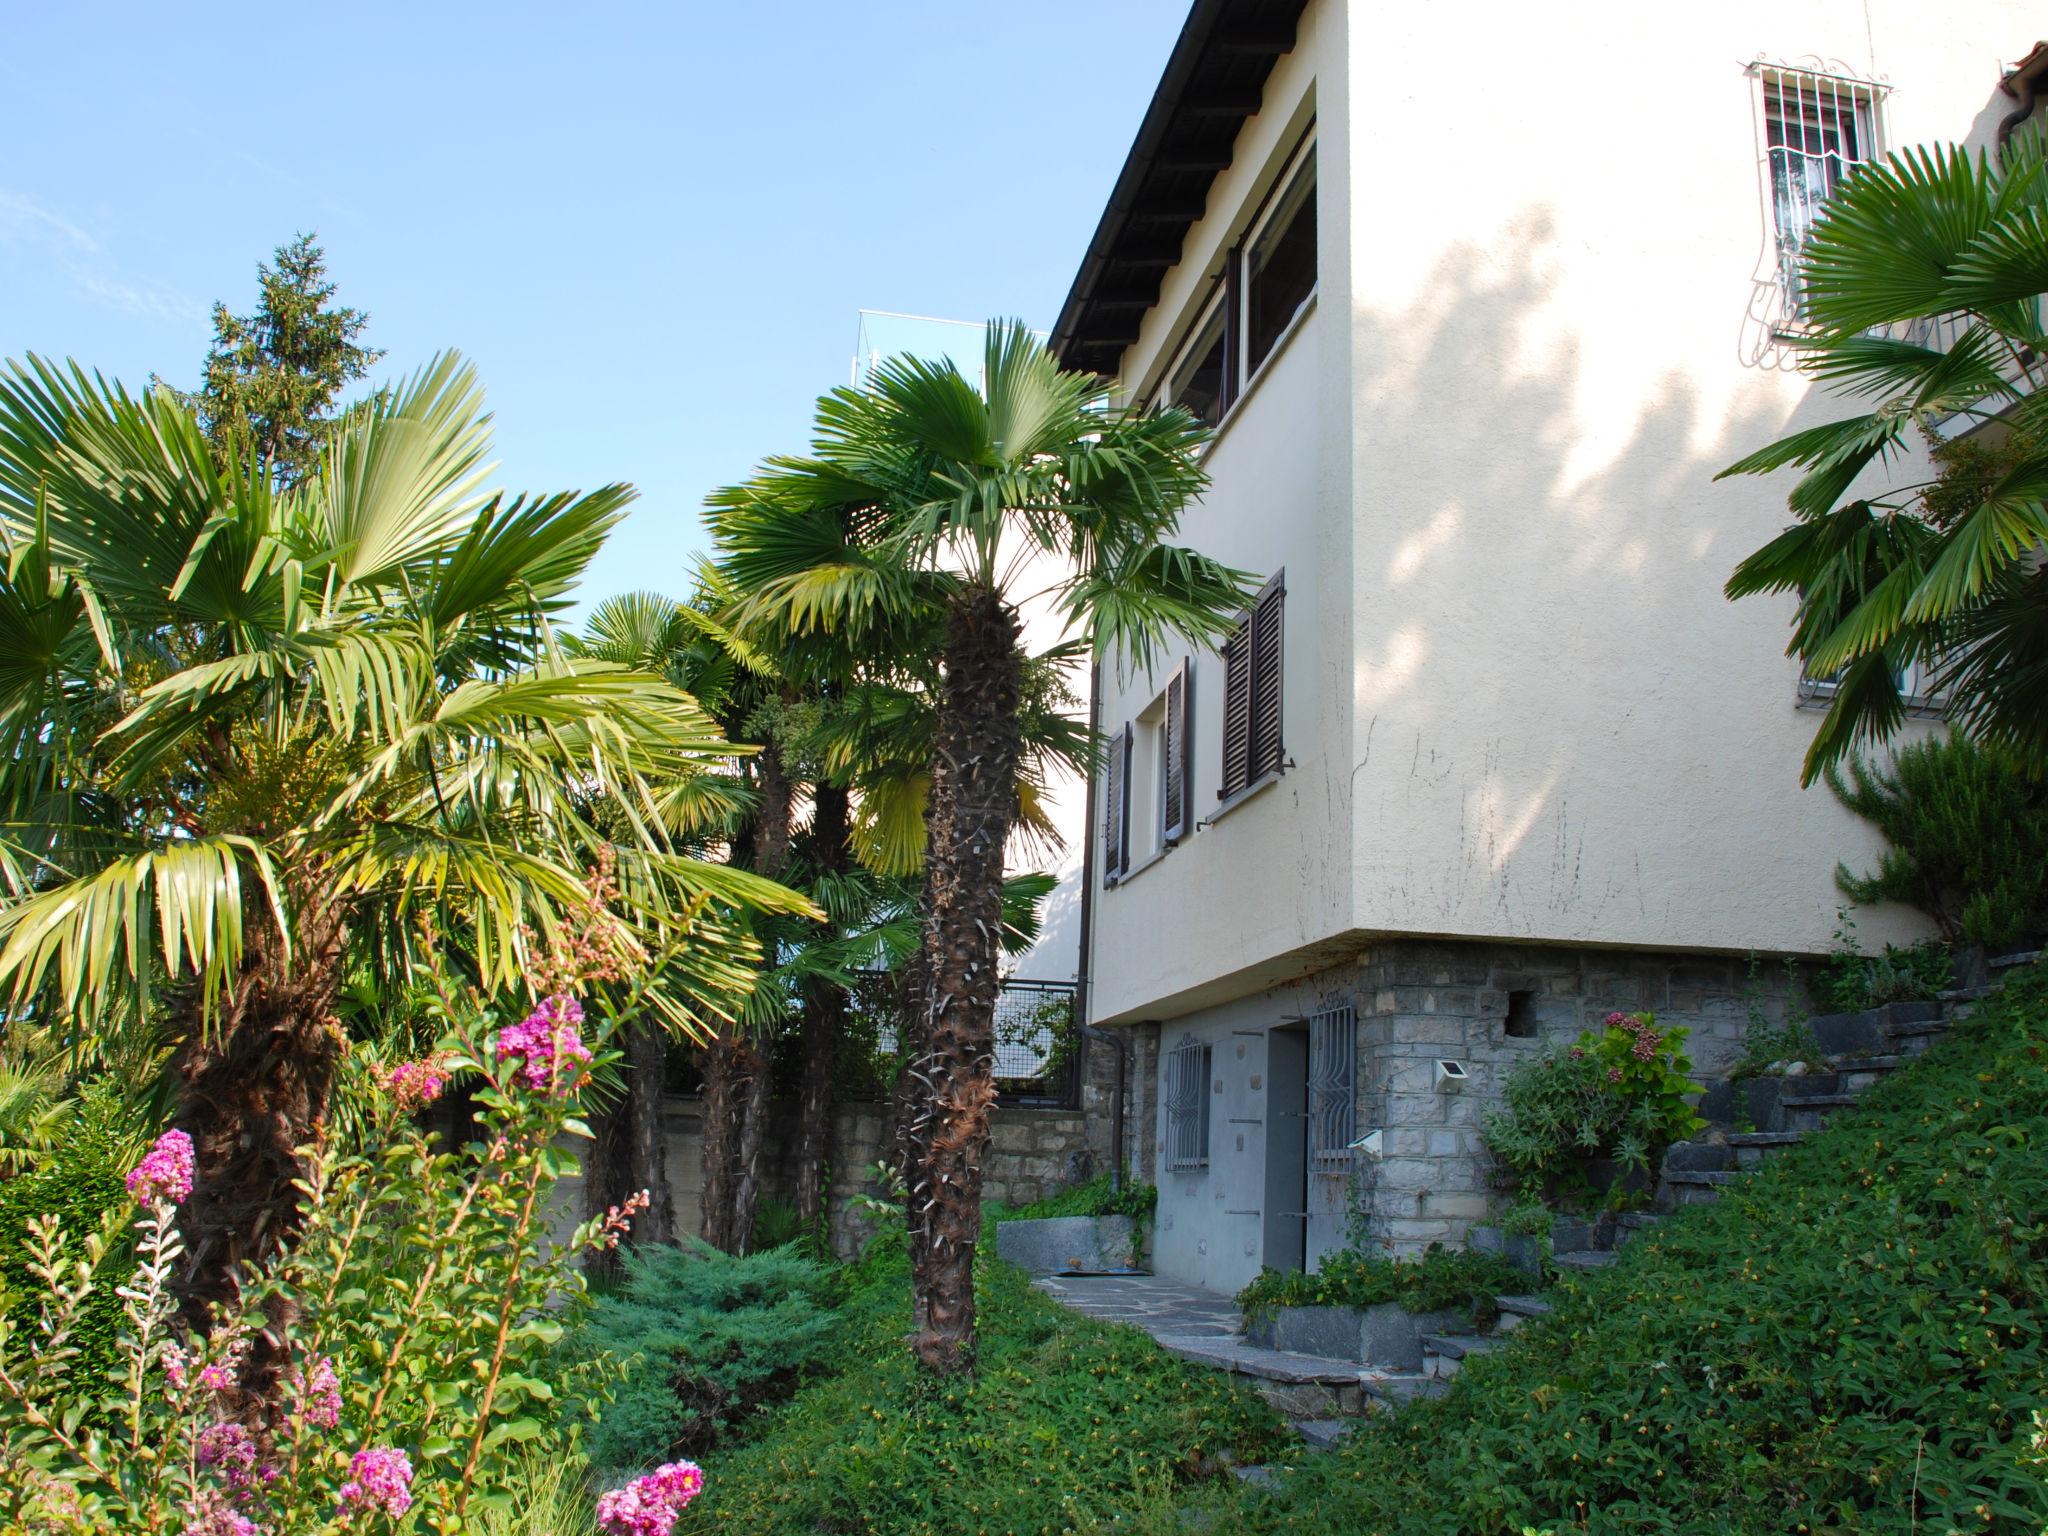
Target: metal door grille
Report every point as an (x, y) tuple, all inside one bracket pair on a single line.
[(1187, 1105), (1332, 1087)]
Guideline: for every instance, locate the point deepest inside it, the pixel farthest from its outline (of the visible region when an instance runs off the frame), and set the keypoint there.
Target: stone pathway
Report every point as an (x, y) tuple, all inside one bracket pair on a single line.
[(1163, 1308)]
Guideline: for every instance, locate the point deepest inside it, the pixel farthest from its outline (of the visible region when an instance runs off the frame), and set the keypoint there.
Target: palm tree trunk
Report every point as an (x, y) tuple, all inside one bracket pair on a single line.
[(254, 1085), (975, 751), (629, 1150), (745, 1078), (824, 1023)]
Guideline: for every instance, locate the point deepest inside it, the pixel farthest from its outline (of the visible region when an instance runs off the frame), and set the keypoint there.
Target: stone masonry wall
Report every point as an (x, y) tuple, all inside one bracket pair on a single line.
[(1421, 1001)]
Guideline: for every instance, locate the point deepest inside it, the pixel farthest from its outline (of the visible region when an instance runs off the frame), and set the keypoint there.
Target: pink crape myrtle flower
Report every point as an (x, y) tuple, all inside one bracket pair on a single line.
[(165, 1172), (648, 1506), (319, 1394), (415, 1084), (379, 1478), (230, 1450), (212, 1515), (546, 1044)]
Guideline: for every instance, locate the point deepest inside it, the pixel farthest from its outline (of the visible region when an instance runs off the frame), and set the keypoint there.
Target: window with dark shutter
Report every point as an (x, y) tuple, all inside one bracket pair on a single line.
[(1116, 821), (1252, 673), (1176, 748)]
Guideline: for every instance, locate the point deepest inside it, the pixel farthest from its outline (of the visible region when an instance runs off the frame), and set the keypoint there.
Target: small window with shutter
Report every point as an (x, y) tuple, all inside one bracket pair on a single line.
[(1187, 1105), (1176, 756), (1252, 659), (1116, 820)]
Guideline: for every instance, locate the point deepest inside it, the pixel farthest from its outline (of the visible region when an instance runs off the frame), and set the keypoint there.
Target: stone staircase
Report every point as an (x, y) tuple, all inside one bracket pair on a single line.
[(1749, 1123)]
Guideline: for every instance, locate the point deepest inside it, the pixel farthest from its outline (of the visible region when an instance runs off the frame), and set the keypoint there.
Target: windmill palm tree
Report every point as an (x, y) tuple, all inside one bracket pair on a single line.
[(925, 495), (1923, 284), (254, 737)]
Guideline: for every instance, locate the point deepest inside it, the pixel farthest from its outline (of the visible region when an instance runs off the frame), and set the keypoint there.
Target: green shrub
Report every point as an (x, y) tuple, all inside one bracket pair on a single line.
[(710, 1339), (1854, 1339), (1066, 1421), (1850, 981), (1094, 1198), (1968, 829), (1440, 1279), (81, 1182), (1619, 1093)]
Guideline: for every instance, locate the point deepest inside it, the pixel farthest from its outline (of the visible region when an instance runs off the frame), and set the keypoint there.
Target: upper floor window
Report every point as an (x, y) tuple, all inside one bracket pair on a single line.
[(1817, 129), (1146, 785), (1268, 279), (1252, 693)]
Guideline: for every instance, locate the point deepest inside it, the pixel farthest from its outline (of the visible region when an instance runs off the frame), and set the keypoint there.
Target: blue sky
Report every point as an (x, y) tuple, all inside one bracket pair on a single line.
[(651, 226)]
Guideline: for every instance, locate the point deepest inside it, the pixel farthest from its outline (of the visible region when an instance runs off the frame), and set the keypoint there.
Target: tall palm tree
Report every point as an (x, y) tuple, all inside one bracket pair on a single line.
[(1923, 285), (925, 494), (256, 736)]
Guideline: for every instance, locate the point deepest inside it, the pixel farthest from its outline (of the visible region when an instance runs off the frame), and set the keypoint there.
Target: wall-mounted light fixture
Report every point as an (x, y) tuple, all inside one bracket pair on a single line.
[(1450, 1075), (1369, 1144)]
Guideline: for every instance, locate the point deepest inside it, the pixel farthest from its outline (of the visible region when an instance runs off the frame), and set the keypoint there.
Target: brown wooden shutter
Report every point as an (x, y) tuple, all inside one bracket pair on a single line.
[(1116, 829), (1237, 712), (1267, 629), (1179, 752)]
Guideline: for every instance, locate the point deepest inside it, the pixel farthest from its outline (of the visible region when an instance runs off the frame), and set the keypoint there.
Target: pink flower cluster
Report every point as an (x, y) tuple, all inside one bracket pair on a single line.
[(648, 1506), (415, 1084), (230, 1450), (1647, 1041), (212, 1515), (319, 1394), (379, 1478), (618, 1221), (165, 1172), (546, 1045)]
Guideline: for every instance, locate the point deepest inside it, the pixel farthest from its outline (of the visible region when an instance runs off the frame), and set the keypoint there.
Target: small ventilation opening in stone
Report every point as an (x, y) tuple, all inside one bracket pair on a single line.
[(1521, 1021)]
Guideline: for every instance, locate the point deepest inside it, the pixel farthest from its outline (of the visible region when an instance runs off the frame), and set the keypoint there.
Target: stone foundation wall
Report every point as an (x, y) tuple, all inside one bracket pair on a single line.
[(1417, 1001)]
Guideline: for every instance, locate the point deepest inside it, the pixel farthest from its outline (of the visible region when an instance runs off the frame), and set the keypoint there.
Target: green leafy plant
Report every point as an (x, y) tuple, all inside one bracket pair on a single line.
[(710, 1339), (1067, 1422), (1096, 1197), (1526, 1217), (1967, 826), (1439, 1279), (1850, 981), (1623, 1092), (1766, 1043)]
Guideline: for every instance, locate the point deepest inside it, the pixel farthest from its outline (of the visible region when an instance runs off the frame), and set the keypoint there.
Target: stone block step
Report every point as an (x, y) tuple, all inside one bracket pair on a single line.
[(1297, 1386), (1702, 1187), (1443, 1353), (1393, 1391), (1631, 1225), (1966, 994), (1323, 1434), (1817, 1100), (1752, 1147), (1523, 1306), (2014, 960), (1584, 1261)]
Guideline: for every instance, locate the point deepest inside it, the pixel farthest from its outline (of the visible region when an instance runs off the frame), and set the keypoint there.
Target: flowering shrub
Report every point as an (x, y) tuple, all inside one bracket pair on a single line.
[(648, 1505), (379, 1374), (1620, 1093)]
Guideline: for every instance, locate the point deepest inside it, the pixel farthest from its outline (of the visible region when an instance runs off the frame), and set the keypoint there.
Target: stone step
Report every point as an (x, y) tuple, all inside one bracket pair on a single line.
[(1298, 1386), (1443, 1354), (1631, 1225), (1752, 1147), (1966, 994), (1584, 1261), (2015, 960), (1393, 1391), (1701, 1187), (1517, 1310), (1323, 1434)]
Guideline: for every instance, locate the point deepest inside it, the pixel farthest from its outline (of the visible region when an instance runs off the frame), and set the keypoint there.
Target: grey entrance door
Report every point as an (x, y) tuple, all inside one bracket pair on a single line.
[(1286, 1202)]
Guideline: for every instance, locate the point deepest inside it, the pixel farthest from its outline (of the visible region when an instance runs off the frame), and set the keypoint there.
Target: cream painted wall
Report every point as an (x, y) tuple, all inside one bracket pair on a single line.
[(1518, 703)]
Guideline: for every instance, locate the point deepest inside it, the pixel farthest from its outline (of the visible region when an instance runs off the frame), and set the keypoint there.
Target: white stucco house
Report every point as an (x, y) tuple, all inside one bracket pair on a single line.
[(1479, 299)]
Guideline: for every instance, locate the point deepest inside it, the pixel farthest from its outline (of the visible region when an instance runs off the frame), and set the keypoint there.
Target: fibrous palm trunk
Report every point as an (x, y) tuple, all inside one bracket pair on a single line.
[(824, 1022), (975, 751), (254, 1084), (629, 1150)]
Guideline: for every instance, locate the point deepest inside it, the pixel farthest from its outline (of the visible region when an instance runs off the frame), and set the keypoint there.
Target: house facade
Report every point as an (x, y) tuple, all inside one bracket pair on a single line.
[(1479, 300)]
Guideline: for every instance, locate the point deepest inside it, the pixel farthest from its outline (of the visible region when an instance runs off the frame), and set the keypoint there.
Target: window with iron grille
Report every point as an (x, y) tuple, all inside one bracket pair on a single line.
[(1187, 1105), (1332, 1087), (1251, 693), (1818, 128)]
